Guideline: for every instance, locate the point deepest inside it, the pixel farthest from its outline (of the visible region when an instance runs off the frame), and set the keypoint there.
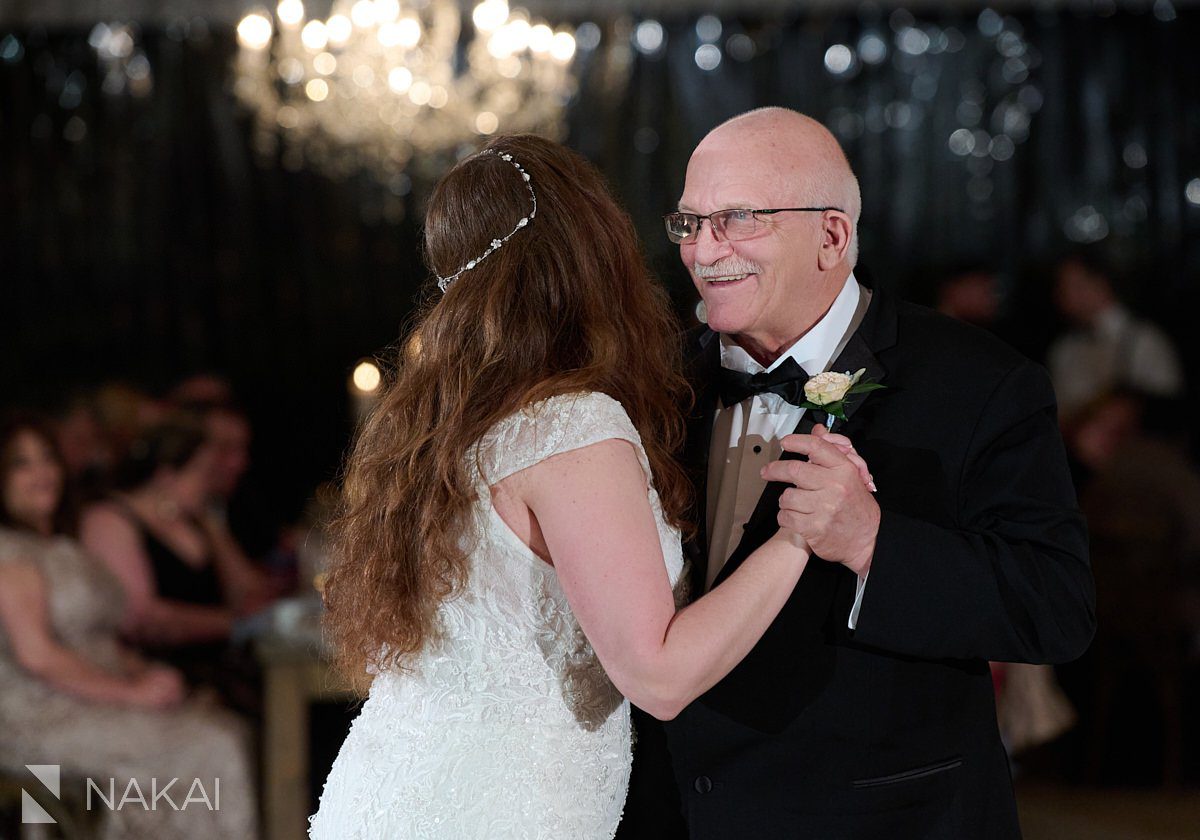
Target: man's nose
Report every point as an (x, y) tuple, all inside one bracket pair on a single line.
[(707, 246)]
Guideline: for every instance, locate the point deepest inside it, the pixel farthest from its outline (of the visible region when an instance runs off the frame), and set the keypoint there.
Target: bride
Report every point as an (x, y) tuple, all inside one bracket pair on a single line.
[(507, 553)]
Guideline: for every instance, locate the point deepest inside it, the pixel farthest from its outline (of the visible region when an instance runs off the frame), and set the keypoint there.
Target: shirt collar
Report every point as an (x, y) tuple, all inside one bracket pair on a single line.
[(814, 350)]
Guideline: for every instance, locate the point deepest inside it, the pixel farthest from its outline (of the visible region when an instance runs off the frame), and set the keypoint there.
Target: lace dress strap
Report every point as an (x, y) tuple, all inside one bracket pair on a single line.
[(552, 426)]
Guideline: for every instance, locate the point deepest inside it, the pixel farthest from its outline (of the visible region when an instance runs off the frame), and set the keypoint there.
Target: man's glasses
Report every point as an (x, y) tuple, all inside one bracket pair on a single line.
[(727, 224)]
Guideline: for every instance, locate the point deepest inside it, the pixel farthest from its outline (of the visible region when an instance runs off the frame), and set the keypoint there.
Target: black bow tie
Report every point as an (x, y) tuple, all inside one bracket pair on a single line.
[(787, 381)]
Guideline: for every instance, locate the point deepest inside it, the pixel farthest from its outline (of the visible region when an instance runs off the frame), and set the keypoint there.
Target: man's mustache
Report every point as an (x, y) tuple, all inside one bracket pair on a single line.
[(727, 267)]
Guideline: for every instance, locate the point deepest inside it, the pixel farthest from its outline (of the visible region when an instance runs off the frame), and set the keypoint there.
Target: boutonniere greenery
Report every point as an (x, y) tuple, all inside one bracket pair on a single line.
[(828, 392)]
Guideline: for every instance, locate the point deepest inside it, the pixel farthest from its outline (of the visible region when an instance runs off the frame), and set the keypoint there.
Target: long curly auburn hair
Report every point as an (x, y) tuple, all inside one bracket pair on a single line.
[(566, 305)]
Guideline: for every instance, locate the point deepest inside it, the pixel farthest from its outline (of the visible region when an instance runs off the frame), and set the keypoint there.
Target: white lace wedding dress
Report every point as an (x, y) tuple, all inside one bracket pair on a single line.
[(508, 727)]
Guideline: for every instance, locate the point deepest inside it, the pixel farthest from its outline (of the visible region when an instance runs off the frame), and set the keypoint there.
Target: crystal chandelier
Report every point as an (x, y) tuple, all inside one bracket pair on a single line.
[(396, 85)]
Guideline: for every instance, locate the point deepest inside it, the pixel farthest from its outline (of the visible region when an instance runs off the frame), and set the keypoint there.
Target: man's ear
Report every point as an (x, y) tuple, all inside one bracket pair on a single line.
[(836, 232)]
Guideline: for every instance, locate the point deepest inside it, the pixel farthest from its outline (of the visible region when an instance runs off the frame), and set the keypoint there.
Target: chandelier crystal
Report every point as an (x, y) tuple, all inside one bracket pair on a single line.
[(396, 85)]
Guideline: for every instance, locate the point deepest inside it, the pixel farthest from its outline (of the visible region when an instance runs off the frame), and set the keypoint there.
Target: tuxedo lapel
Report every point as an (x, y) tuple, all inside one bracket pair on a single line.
[(703, 375)]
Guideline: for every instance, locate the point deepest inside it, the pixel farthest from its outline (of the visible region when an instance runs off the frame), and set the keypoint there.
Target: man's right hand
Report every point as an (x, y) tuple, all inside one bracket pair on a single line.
[(847, 448), (830, 502)]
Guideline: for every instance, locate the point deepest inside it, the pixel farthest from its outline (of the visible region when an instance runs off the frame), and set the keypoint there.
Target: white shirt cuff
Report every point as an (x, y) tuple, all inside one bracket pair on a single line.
[(859, 587)]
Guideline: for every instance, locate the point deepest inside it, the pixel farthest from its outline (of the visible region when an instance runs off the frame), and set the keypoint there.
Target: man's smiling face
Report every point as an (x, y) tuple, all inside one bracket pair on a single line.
[(767, 290)]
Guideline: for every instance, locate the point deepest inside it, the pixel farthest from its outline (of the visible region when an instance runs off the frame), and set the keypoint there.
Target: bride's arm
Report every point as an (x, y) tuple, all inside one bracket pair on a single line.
[(595, 518)]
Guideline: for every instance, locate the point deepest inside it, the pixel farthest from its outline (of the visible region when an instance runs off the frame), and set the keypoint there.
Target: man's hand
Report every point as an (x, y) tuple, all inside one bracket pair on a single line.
[(830, 503), (846, 446)]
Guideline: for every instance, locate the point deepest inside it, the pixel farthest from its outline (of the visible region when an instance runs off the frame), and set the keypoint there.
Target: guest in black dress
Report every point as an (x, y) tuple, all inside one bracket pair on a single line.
[(185, 587)]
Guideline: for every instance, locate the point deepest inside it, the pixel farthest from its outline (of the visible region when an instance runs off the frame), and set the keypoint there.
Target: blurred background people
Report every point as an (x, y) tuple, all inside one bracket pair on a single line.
[(1108, 346), (87, 453), (185, 579), (124, 412), (1141, 496), (201, 389), (71, 693), (970, 294), (238, 501), (228, 431)]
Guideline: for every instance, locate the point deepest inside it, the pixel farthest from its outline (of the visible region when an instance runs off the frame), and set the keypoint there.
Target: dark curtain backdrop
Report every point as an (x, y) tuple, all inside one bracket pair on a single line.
[(143, 240)]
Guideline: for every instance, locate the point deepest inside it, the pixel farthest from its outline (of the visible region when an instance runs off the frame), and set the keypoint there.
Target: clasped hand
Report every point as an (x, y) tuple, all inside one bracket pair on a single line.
[(830, 503)]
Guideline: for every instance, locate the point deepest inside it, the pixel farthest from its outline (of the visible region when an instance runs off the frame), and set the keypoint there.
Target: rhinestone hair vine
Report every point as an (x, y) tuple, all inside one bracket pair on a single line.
[(444, 282)]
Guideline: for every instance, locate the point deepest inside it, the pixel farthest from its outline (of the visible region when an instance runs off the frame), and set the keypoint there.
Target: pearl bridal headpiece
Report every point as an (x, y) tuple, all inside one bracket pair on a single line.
[(444, 282)]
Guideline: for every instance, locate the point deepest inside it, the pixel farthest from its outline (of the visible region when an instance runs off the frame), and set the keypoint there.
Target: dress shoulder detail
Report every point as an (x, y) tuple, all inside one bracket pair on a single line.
[(551, 427)]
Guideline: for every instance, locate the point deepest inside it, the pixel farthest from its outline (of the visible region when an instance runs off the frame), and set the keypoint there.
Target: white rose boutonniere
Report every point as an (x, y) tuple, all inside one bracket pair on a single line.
[(828, 392)]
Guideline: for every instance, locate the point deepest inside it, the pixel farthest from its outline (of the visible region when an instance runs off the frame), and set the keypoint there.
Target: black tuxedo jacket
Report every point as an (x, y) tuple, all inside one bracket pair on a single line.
[(889, 730)]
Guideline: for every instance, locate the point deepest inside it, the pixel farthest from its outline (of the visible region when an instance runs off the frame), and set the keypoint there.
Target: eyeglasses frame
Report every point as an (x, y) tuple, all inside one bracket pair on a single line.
[(763, 212)]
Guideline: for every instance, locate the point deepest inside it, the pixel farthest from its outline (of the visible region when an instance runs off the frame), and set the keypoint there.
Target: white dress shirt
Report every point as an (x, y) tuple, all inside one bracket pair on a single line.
[(746, 436)]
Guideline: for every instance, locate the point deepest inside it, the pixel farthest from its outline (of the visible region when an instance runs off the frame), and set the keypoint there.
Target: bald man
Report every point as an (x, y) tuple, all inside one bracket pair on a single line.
[(866, 710)]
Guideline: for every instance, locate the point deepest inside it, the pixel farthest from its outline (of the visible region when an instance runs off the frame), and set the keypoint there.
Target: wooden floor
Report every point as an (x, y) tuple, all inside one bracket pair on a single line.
[(1060, 813)]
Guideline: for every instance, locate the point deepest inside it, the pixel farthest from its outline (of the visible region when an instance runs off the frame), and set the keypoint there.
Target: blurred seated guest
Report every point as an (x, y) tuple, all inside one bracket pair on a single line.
[(87, 454), (1097, 431), (1128, 454), (1141, 496), (240, 507), (72, 695), (185, 584), (970, 294), (240, 517), (1108, 346), (124, 412), (247, 516), (202, 389), (228, 431)]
